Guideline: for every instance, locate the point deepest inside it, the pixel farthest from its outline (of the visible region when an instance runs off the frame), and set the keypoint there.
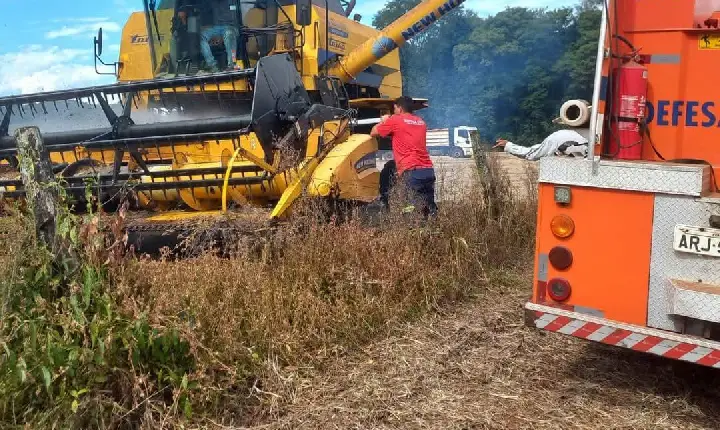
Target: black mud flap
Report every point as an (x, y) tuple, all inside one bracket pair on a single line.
[(530, 318)]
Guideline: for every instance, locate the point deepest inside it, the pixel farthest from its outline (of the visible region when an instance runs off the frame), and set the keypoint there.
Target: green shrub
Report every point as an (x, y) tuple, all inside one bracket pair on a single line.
[(70, 356)]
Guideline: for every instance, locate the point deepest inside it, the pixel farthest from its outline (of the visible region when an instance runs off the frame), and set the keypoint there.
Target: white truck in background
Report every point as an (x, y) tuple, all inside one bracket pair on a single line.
[(456, 142)]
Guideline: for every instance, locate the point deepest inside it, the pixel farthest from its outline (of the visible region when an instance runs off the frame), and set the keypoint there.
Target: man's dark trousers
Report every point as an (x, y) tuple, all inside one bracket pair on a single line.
[(420, 184)]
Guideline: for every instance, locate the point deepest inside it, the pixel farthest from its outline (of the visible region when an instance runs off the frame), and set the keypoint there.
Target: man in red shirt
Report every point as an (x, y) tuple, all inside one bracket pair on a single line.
[(410, 153)]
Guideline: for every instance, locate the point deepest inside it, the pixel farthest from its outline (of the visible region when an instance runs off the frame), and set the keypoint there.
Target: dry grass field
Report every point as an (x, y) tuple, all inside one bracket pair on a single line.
[(474, 365), (322, 327)]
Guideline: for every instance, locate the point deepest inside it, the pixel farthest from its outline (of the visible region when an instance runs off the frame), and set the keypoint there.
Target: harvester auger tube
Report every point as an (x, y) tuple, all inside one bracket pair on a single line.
[(412, 23)]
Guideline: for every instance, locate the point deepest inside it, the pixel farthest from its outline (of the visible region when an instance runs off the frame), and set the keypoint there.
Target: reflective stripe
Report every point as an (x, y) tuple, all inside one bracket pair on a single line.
[(653, 341), (632, 340), (663, 347), (665, 59), (696, 353), (544, 320), (572, 327), (601, 333)]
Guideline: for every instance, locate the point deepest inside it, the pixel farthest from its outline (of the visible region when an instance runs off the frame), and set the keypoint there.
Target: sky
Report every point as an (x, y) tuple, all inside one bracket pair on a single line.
[(47, 45)]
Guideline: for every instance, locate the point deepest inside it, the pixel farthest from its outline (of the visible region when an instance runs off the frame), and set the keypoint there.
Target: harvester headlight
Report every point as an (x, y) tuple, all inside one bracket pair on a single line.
[(323, 189)]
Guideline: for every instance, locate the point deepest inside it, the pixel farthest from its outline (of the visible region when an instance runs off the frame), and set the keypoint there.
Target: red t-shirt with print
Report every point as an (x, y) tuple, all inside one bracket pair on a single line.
[(408, 141)]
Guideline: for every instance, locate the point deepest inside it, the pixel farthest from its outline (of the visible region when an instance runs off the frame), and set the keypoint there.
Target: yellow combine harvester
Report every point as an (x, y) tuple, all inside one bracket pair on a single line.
[(287, 116)]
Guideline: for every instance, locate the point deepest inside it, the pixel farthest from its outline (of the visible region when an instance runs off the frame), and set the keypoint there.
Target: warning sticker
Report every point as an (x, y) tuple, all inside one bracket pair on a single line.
[(709, 41)]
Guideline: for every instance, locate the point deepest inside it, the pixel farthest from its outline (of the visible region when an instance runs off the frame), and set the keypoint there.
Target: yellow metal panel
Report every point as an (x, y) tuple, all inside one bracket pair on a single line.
[(349, 170), (346, 36), (134, 50)]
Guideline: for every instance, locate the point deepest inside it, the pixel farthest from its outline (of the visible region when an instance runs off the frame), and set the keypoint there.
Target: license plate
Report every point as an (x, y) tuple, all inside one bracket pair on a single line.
[(697, 240)]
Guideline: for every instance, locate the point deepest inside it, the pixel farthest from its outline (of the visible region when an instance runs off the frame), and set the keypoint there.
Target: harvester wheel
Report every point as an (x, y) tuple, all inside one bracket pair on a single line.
[(88, 166), (153, 205), (81, 166), (201, 205)]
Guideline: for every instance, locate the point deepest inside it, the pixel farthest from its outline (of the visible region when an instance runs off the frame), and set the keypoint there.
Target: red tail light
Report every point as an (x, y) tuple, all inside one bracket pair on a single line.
[(559, 289), (560, 257)]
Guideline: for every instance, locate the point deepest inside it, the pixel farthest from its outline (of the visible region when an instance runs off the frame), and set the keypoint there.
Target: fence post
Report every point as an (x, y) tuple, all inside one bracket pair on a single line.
[(40, 184)]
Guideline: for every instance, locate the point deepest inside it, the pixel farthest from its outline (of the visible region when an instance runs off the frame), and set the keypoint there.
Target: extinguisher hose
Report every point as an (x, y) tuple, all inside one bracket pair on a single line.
[(633, 51), (646, 131)]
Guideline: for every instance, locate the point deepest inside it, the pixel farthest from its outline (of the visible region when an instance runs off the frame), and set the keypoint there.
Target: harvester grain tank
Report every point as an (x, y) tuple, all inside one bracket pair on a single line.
[(279, 122)]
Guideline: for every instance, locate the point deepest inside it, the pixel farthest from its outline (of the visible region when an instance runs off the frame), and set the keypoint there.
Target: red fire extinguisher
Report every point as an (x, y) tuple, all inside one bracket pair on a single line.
[(628, 94)]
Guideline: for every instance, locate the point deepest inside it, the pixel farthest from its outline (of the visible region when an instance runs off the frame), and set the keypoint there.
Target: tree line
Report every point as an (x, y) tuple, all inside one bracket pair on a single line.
[(506, 74)]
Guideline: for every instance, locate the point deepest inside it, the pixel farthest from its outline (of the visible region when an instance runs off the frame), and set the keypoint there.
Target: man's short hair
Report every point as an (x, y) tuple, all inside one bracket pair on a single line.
[(406, 103)]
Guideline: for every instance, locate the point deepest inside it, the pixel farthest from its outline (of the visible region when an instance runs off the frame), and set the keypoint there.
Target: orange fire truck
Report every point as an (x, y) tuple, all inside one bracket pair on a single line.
[(628, 238)]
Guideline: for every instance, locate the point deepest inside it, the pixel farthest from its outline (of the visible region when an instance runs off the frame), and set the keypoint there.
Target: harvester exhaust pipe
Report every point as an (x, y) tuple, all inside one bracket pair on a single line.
[(393, 36)]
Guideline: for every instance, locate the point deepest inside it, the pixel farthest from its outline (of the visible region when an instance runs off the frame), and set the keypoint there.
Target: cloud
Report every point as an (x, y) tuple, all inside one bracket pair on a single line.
[(86, 28), (38, 68), (81, 19), (127, 6)]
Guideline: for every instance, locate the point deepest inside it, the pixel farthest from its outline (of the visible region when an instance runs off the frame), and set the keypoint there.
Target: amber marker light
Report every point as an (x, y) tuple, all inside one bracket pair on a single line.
[(562, 226)]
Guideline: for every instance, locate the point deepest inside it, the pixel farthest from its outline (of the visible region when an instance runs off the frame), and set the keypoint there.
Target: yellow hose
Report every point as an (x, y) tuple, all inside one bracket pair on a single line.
[(227, 178)]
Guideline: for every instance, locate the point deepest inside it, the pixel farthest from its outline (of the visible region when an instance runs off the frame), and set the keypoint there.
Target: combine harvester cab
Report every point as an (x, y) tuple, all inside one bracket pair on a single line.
[(628, 239)]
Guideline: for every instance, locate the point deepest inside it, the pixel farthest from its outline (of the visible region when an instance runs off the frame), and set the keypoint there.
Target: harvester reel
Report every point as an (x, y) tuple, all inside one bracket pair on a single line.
[(348, 6)]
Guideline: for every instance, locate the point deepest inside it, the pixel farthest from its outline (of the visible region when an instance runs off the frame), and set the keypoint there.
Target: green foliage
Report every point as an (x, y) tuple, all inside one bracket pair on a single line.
[(507, 74), (70, 355)]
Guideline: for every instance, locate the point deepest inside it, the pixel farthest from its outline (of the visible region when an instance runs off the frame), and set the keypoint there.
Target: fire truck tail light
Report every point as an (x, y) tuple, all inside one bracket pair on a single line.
[(562, 226), (560, 257), (559, 289)]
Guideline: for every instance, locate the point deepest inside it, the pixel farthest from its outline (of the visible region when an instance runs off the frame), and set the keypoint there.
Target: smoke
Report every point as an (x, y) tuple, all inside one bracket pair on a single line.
[(429, 71), (506, 74)]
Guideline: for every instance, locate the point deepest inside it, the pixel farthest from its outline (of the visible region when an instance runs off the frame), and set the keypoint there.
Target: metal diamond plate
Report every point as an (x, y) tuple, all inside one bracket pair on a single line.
[(667, 264), (666, 178), (702, 305)]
